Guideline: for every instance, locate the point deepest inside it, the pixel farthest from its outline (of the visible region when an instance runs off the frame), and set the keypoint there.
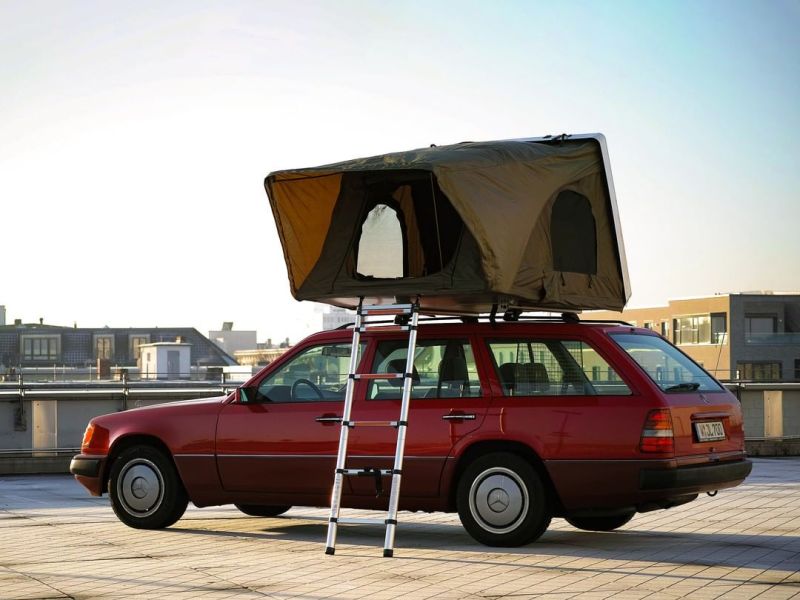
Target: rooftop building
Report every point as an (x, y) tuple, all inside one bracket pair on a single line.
[(751, 336), (38, 344)]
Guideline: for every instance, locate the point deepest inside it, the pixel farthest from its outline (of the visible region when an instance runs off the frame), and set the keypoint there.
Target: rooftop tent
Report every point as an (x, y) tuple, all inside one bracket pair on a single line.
[(528, 224)]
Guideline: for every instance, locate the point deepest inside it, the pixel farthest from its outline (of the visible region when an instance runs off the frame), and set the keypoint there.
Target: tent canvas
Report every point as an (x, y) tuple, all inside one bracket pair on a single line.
[(530, 224)]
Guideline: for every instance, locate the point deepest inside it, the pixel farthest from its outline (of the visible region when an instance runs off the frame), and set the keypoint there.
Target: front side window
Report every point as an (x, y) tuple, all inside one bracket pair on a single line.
[(317, 373), (528, 367), (667, 366), (442, 369)]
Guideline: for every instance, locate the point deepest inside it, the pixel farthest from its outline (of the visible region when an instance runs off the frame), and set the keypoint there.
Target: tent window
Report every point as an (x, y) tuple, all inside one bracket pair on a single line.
[(574, 234), (381, 247)]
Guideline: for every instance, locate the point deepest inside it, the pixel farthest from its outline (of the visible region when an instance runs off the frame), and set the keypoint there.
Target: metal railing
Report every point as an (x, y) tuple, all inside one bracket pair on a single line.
[(46, 418)]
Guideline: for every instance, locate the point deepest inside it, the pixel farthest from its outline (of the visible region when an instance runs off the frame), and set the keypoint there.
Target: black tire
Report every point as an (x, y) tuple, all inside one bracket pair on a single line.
[(145, 489), (257, 510), (502, 501), (600, 523)]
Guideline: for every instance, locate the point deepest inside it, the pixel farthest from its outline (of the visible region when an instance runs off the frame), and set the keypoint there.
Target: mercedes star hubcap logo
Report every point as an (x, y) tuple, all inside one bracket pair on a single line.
[(498, 500), (139, 487)]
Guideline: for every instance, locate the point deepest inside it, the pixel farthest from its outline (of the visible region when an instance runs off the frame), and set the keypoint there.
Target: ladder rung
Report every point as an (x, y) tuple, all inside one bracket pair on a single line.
[(366, 326), (378, 375), (353, 521), (366, 472), (371, 423), (387, 309)]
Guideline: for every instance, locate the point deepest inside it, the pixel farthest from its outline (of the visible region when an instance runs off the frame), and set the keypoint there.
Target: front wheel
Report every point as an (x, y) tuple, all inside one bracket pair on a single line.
[(259, 510), (145, 489), (502, 501), (600, 523)]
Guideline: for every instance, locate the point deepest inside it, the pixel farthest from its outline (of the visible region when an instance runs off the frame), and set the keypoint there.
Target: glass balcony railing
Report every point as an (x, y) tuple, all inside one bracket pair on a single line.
[(772, 339)]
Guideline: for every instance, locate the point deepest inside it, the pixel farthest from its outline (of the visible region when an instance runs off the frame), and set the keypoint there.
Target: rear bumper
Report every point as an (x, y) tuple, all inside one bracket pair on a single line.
[(640, 484), (702, 477)]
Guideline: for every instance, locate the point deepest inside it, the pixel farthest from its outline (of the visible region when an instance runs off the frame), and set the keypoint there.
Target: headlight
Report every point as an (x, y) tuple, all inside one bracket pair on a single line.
[(95, 440)]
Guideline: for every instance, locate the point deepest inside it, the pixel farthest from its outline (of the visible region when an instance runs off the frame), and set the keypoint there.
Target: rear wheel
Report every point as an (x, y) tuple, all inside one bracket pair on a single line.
[(145, 489), (600, 523), (258, 510), (502, 501)]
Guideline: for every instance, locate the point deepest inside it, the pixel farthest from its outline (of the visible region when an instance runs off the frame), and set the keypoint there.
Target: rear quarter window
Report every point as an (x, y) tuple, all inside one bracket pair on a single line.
[(553, 367)]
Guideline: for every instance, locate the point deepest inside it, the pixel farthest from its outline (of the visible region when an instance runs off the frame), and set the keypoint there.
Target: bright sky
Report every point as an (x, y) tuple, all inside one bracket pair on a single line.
[(135, 137)]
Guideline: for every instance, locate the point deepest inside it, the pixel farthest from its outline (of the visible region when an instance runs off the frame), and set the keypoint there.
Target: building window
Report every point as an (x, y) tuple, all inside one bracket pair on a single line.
[(759, 371), (104, 346), (664, 328), (719, 328), (797, 369), (692, 329), (41, 347), (135, 342), (760, 328), (648, 325)]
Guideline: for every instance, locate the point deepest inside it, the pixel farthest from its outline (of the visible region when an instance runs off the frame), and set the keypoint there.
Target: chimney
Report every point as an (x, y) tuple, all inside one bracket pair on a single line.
[(41, 320), (18, 322)]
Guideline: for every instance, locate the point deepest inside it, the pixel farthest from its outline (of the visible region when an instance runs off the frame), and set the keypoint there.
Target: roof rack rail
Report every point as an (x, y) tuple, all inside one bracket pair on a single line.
[(509, 316)]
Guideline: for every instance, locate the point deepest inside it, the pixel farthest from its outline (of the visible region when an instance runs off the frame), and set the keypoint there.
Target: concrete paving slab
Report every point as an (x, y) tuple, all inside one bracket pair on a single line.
[(58, 542)]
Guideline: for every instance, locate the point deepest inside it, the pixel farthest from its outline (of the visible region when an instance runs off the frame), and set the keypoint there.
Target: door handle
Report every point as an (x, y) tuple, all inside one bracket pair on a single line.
[(459, 417), (328, 419)]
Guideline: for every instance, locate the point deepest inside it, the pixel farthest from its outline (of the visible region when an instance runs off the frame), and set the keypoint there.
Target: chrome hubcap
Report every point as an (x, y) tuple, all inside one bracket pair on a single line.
[(498, 500), (140, 487)]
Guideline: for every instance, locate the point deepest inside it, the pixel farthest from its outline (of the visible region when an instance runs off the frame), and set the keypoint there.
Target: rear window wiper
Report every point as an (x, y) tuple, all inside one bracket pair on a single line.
[(688, 386)]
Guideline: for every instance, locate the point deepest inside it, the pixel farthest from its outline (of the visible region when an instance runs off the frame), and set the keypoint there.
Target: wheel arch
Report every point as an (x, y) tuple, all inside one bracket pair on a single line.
[(128, 441), (480, 448)]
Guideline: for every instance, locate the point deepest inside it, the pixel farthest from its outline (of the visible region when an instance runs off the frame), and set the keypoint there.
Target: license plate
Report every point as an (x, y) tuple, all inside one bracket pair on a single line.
[(709, 431)]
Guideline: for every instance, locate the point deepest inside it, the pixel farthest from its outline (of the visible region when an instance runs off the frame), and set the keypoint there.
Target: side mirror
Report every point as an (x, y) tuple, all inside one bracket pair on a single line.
[(242, 396)]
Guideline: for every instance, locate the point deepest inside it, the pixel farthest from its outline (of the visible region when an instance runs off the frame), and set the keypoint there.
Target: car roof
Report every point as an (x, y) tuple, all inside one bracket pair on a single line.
[(486, 329)]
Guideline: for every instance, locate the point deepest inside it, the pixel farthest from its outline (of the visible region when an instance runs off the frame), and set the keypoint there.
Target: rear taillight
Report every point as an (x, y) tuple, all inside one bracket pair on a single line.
[(657, 434), (95, 440)]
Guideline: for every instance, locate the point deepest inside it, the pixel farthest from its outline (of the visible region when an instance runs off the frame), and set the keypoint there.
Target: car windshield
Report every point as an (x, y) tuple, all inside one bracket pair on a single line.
[(667, 366)]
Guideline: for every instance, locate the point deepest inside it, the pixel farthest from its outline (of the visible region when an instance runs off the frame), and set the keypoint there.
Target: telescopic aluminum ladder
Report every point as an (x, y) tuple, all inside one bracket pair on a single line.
[(406, 317)]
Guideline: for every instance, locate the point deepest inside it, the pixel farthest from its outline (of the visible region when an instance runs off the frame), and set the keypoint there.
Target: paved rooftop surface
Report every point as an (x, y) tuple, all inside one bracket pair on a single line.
[(58, 542)]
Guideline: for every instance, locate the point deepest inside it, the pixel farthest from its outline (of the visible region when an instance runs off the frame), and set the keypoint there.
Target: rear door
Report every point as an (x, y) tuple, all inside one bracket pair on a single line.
[(448, 402)]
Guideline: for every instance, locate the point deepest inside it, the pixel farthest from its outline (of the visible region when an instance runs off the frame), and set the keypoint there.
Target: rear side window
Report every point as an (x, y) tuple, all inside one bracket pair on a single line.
[(442, 369), (670, 368), (528, 367)]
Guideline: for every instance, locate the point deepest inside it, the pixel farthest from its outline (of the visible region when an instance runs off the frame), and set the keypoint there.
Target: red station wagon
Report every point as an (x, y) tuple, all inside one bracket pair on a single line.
[(510, 424)]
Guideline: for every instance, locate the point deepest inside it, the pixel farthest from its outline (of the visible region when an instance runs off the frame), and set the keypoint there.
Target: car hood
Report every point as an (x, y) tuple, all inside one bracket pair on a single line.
[(193, 402)]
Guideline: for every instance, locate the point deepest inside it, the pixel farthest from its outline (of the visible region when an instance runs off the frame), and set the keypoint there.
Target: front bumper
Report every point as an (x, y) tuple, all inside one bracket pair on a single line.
[(86, 467), (702, 478), (88, 471)]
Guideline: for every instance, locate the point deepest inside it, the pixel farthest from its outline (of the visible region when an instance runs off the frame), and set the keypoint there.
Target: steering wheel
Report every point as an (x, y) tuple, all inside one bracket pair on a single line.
[(308, 383)]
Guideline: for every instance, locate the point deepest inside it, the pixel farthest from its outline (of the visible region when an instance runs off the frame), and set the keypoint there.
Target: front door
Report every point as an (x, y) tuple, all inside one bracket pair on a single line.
[(283, 438), (447, 403)]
